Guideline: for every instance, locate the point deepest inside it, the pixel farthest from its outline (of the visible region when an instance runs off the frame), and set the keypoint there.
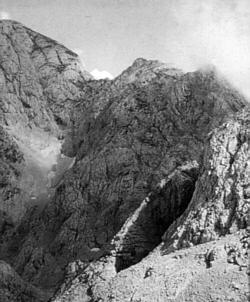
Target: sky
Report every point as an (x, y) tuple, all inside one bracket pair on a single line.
[(109, 35)]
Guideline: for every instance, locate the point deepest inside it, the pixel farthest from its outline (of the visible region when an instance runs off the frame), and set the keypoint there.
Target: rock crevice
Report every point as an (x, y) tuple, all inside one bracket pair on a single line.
[(143, 231)]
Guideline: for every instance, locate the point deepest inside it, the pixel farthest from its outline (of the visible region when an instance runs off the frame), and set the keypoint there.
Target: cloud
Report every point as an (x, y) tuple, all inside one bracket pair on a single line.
[(4, 15), (97, 74), (214, 32)]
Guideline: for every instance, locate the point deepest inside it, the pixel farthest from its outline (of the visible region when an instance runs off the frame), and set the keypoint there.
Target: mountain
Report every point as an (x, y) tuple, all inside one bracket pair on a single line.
[(111, 180), (39, 87), (203, 254)]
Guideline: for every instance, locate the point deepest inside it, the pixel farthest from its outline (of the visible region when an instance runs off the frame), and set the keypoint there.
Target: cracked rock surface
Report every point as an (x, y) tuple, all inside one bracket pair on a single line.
[(157, 163), (214, 271), (220, 201), (38, 81), (179, 276), (125, 150)]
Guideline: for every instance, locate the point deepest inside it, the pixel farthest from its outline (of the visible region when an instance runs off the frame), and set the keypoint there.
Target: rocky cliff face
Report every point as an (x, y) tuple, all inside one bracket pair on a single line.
[(159, 165), (38, 79), (208, 272), (220, 201)]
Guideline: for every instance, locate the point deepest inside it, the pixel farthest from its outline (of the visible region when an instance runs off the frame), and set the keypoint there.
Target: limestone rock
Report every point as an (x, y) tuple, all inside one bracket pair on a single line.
[(13, 288), (39, 81), (117, 277), (179, 276), (220, 201), (11, 164), (155, 151), (124, 149)]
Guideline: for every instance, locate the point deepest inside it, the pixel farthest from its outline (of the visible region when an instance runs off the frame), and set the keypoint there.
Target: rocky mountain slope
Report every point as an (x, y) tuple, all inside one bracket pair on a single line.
[(153, 161), (208, 272), (38, 79)]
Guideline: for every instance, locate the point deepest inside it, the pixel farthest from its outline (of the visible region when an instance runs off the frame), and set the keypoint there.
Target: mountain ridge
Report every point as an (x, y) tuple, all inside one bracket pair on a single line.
[(112, 171)]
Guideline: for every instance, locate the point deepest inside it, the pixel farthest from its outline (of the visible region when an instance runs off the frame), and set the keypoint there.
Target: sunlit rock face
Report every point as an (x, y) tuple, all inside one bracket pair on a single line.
[(39, 81), (220, 201)]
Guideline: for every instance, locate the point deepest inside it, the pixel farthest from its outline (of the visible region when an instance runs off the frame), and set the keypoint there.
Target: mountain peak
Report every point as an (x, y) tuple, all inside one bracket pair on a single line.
[(143, 70), (140, 61)]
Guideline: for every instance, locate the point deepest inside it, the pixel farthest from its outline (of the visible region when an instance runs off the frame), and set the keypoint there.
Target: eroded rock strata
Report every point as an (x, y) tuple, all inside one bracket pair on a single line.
[(121, 175), (220, 201), (194, 274)]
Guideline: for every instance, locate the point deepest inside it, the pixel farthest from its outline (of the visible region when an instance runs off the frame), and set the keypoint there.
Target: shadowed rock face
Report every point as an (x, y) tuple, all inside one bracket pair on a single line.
[(13, 288), (143, 230), (138, 143)]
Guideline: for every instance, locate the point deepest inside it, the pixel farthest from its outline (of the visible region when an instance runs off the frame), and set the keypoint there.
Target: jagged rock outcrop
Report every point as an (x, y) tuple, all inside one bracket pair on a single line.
[(124, 148), (202, 273), (138, 143), (40, 84), (37, 72), (220, 201), (143, 230), (39, 81)]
